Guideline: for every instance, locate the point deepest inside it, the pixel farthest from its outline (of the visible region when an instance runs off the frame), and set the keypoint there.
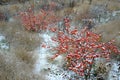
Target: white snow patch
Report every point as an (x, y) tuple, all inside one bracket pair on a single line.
[(114, 73), (2, 37), (3, 44)]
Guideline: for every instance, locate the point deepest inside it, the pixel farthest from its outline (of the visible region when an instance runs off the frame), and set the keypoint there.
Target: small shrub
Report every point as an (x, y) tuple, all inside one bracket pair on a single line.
[(38, 22), (82, 48)]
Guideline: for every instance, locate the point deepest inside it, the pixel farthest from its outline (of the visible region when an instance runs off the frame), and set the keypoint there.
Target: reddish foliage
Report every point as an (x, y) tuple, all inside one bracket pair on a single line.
[(39, 21), (74, 32), (53, 29), (82, 48)]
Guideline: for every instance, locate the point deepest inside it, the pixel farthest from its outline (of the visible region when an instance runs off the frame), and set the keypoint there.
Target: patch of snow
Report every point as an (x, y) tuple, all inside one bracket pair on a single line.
[(11, 19), (115, 13), (4, 46), (42, 62), (114, 72), (56, 73), (2, 37), (3, 43), (47, 39)]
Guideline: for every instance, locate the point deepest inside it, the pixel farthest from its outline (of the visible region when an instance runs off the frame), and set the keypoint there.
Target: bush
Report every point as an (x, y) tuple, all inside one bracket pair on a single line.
[(82, 48), (38, 22)]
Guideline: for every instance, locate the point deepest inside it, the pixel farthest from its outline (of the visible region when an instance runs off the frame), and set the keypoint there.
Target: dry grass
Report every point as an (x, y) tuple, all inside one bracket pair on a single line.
[(18, 63), (80, 8), (24, 40), (112, 5), (109, 31), (82, 13), (27, 57), (11, 10), (76, 11), (18, 37), (12, 68)]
